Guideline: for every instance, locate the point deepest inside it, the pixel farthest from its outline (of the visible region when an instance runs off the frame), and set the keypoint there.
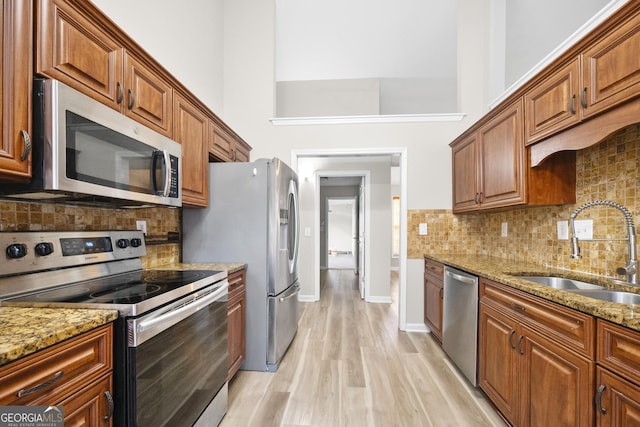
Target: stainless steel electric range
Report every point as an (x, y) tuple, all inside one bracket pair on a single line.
[(170, 339)]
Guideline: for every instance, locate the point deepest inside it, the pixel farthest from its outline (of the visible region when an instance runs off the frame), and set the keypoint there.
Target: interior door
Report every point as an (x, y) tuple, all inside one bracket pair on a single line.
[(361, 237)]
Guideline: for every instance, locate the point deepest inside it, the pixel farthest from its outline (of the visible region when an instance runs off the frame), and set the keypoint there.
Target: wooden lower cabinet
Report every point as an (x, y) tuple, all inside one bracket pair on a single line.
[(75, 373), (617, 398), (531, 377), (236, 312), (433, 296)]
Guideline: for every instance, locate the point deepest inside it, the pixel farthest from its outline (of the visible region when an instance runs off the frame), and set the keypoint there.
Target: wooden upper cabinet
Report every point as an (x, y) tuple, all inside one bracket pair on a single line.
[(16, 88), (488, 165), (466, 187), (148, 97), (226, 148), (611, 67), (192, 132), (502, 157), (78, 52), (554, 104)]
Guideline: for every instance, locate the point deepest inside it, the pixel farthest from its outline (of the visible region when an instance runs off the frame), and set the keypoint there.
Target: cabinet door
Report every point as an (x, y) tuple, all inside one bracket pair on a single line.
[(191, 130), (15, 87), (221, 145), (498, 361), (611, 68), (148, 97), (79, 53), (553, 104), (617, 400), (242, 152), (502, 159), (433, 305), (465, 175), (557, 384), (236, 311), (92, 406)]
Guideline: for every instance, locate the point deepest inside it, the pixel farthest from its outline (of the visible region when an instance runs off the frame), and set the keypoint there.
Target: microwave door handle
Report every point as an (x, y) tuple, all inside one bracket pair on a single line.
[(167, 173)]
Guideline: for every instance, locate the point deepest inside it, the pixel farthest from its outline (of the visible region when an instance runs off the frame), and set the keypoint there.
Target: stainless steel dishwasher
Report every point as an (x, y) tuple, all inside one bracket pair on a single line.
[(460, 321)]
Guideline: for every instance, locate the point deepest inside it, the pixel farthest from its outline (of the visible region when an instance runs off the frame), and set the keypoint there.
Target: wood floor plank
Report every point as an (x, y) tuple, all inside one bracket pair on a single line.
[(350, 366)]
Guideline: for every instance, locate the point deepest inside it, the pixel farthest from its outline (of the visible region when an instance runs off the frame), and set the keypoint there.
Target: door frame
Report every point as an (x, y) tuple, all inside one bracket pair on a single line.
[(402, 152)]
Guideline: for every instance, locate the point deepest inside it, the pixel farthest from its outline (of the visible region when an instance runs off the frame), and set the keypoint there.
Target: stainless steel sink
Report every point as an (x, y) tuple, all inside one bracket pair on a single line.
[(609, 295), (561, 282)]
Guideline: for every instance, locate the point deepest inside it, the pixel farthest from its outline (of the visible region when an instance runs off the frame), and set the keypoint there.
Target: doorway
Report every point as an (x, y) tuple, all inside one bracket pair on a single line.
[(310, 207), (342, 232)]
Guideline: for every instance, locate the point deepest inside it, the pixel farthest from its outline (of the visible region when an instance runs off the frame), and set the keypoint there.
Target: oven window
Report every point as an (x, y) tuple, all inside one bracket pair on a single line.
[(179, 371), (102, 156)]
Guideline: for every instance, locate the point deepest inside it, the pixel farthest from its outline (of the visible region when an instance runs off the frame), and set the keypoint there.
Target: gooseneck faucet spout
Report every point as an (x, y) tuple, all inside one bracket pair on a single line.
[(631, 269)]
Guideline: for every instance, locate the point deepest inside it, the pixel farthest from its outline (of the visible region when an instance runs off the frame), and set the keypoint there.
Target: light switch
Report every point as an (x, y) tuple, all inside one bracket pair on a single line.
[(422, 229), (504, 229), (307, 231), (563, 230), (141, 225)]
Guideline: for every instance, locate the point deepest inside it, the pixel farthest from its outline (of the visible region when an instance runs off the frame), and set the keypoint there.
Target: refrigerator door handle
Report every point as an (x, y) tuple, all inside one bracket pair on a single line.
[(296, 226)]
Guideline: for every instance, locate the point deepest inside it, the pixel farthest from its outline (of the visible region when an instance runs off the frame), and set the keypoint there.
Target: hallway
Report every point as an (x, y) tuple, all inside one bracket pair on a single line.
[(349, 365)]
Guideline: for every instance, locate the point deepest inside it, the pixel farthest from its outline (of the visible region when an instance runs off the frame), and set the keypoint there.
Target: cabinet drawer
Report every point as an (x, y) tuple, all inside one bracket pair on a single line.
[(566, 326), (434, 268), (51, 374), (619, 350)]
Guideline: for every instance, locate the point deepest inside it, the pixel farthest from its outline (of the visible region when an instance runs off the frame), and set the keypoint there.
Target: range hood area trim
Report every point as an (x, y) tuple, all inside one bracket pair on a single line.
[(587, 133)]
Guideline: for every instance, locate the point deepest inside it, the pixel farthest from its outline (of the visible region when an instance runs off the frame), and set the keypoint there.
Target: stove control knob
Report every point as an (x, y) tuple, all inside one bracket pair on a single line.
[(135, 242), (122, 243), (44, 248), (16, 250)]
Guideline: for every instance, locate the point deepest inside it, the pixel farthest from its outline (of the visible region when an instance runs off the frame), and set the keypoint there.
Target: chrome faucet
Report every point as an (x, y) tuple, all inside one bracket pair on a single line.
[(631, 269)]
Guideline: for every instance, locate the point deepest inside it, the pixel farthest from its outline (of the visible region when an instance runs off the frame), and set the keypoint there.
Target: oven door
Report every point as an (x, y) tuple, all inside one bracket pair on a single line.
[(178, 360)]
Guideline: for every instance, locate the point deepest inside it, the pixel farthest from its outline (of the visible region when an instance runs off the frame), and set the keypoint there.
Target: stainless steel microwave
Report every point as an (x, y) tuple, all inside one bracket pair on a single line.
[(86, 152)]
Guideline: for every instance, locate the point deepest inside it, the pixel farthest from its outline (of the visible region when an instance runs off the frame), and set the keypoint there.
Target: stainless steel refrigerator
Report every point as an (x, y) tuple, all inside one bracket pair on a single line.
[(253, 218)]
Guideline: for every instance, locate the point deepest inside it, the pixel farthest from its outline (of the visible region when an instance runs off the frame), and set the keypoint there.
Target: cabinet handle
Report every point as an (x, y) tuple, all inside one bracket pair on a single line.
[(234, 155), (583, 98), (599, 399), (476, 199), (517, 307), (572, 105), (120, 96), (27, 145), (38, 387), (511, 334), (109, 398), (520, 344), (132, 99)]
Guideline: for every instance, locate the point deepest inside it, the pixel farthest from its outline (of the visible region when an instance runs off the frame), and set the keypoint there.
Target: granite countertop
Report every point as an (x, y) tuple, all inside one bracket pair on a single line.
[(503, 271), (26, 330), (229, 266)]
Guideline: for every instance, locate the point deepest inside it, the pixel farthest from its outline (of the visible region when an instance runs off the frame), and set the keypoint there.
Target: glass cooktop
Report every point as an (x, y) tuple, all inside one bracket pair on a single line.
[(131, 293)]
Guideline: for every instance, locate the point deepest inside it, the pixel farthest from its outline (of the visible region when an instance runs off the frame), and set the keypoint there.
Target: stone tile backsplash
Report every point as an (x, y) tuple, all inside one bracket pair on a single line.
[(607, 171), (22, 216)]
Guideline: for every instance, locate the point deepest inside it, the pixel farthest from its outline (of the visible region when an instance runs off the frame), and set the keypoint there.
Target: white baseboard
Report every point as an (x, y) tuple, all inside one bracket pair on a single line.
[(417, 327), (379, 300), (307, 298)]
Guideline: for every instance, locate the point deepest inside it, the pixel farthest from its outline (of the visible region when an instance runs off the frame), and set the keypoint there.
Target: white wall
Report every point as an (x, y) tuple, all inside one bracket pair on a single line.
[(340, 226)]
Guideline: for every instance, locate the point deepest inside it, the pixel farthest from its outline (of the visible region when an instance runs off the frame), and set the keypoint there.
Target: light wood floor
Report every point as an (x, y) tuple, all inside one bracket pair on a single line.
[(349, 365)]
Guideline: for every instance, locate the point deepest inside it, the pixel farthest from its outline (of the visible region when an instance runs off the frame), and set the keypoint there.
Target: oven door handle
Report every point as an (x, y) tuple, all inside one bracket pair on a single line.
[(147, 328)]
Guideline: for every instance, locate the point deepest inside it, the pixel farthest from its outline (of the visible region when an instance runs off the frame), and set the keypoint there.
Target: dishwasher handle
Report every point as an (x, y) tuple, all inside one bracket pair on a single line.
[(460, 278)]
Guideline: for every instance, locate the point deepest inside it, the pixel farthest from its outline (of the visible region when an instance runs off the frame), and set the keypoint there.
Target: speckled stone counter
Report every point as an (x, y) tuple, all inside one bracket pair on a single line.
[(503, 271), (26, 330), (230, 267)]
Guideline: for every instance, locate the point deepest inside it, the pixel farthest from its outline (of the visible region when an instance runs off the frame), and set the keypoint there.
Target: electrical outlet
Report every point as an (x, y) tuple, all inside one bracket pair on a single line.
[(584, 228), (504, 229), (142, 226), (563, 230), (422, 229)]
